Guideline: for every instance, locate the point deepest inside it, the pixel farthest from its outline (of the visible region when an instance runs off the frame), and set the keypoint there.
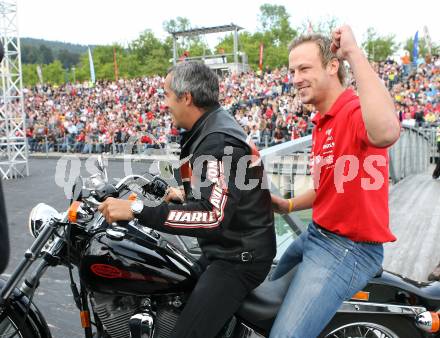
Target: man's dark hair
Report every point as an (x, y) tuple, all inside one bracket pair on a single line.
[(197, 79)]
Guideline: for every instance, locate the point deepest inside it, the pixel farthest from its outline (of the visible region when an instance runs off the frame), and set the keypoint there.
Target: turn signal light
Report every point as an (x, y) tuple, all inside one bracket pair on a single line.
[(132, 197), (85, 319), (73, 211), (361, 295)]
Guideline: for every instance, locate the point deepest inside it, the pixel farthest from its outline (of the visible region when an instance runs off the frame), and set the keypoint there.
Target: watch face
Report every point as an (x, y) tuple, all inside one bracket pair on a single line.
[(136, 207)]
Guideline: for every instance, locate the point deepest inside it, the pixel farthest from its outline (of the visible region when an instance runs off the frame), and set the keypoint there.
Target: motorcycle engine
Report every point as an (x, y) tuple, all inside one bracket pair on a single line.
[(119, 314), (114, 313), (165, 321)]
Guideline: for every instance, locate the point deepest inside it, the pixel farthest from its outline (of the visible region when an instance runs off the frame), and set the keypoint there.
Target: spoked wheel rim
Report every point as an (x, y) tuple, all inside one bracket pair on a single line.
[(8, 329), (362, 330)]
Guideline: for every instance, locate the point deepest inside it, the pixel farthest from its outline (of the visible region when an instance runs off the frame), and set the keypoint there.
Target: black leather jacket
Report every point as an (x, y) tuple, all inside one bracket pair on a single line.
[(226, 207)]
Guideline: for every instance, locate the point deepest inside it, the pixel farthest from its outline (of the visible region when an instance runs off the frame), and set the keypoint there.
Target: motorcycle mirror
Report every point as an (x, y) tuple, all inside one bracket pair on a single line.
[(77, 189), (86, 193), (165, 170), (101, 166), (99, 163)]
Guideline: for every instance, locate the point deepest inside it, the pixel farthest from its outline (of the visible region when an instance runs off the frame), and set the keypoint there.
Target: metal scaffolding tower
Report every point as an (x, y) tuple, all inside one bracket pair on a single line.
[(13, 148)]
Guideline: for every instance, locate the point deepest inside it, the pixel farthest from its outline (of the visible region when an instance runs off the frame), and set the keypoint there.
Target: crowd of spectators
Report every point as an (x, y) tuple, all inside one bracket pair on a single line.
[(415, 90), (104, 117)]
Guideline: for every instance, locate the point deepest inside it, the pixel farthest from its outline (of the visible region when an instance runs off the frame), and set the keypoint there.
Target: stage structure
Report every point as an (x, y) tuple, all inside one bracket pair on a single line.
[(13, 148), (223, 62)]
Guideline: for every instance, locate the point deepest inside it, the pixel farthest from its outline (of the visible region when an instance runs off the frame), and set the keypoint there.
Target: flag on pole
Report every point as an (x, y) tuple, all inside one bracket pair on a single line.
[(427, 39), (309, 28), (115, 64), (40, 74), (92, 67), (416, 48), (260, 64)]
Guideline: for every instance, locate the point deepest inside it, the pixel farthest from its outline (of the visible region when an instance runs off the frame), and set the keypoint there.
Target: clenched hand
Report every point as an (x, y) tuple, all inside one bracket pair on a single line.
[(116, 210), (344, 42)]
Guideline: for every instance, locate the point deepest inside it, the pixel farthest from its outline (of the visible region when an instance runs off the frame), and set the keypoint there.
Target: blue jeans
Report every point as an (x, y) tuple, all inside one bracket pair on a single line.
[(332, 269)]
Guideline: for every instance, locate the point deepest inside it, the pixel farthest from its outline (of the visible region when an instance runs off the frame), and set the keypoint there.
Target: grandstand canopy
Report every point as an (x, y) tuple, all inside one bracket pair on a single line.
[(207, 30)]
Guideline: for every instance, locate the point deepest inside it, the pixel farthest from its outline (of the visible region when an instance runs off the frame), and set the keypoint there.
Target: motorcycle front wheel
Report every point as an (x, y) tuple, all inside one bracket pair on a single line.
[(371, 326), (14, 326)]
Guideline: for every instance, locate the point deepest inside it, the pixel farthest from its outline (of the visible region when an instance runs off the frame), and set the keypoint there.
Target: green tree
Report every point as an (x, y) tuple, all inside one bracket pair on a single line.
[(275, 24), (272, 16), (46, 55), (145, 44), (29, 74), (54, 72), (68, 59), (82, 72), (29, 54), (275, 34), (152, 54), (103, 62), (325, 27), (378, 48), (128, 64), (176, 25)]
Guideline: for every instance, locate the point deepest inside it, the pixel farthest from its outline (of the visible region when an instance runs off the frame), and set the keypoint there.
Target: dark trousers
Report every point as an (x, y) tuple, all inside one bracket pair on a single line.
[(436, 172), (217, 296)]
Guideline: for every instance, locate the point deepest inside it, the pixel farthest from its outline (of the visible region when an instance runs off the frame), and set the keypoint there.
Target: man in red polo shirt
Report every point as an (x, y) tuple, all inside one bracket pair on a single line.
[(342, 248)]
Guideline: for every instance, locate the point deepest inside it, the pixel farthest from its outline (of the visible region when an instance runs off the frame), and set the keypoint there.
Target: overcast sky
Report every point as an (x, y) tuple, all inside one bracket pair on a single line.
[(108, 21)]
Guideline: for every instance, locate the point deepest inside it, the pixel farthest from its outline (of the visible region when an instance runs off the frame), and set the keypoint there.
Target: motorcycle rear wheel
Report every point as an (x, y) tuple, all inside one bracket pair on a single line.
[(10, 321), (371, 326)]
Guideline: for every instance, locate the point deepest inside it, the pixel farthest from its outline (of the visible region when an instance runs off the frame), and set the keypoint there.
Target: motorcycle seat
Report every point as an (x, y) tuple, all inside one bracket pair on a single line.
[(261, 306), (423, 290)]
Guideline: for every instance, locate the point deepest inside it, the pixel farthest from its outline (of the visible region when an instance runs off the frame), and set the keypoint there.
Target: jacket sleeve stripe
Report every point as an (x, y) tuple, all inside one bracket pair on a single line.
[(199, 218)]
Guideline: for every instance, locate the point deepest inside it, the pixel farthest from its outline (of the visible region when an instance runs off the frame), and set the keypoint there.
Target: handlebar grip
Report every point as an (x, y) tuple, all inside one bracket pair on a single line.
[(107, 191), (157, 187), (122, 224)]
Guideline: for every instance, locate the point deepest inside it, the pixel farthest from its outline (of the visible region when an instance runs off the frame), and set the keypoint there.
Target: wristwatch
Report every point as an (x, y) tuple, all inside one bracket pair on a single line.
[(136, 207)]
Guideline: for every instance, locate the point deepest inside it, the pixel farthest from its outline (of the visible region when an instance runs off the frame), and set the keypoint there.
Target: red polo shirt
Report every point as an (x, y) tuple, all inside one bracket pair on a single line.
[(350, 175)]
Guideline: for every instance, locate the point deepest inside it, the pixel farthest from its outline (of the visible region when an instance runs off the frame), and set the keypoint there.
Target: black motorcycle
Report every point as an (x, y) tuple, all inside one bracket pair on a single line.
[(134, 281)]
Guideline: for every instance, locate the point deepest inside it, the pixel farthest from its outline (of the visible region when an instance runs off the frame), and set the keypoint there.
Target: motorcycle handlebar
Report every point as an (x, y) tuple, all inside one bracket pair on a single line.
[(156, 187), (122, 184), (107, 191)]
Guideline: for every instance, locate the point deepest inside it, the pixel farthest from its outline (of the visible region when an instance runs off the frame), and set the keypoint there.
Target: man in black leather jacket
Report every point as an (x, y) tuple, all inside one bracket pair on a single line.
[(226, 205)]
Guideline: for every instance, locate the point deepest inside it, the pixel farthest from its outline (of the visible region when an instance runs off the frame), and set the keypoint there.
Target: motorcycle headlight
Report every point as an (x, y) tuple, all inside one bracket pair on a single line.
[(40, 215)]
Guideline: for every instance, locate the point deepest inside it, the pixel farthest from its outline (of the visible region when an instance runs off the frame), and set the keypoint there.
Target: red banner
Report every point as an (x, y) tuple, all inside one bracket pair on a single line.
[(115, 63), (261, 57)]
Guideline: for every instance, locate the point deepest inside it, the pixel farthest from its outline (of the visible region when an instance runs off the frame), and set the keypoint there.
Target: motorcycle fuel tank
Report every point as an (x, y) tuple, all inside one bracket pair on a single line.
[(135, 264)]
